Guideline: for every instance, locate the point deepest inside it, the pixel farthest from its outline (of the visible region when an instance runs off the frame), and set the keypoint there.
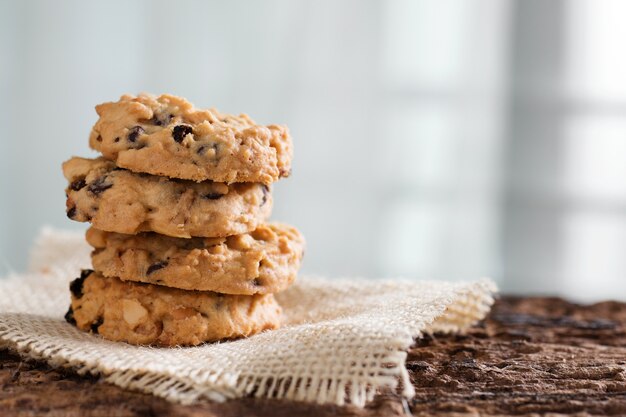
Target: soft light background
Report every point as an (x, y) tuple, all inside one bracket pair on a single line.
[(446, 139)]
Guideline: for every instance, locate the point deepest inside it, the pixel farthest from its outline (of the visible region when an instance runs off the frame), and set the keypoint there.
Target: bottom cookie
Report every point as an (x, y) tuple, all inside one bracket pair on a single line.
[(144, 314)]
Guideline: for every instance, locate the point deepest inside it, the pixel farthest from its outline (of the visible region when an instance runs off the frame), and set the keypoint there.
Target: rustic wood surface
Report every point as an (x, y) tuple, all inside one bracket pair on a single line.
[(530, 356)]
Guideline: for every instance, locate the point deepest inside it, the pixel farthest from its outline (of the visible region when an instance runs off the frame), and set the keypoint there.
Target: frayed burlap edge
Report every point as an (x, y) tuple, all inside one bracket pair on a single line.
[(462, 307)]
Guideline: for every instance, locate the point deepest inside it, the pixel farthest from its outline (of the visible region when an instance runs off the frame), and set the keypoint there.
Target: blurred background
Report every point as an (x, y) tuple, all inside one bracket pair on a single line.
[(434, 139)]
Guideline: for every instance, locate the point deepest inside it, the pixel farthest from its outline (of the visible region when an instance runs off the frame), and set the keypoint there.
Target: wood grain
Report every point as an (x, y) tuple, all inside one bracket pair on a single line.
[(530, 356)]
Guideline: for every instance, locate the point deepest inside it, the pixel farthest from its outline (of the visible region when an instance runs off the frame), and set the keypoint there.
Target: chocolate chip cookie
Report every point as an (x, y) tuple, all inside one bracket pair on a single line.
[(263, 261), (167, 136), (144, 314), (118, 200)]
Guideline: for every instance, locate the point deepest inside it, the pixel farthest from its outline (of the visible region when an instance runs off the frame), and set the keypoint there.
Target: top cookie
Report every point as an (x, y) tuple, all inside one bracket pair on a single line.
[(167, 136)]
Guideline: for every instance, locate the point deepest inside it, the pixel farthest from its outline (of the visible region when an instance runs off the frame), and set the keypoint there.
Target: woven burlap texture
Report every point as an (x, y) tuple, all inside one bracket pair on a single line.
[(342, 340)]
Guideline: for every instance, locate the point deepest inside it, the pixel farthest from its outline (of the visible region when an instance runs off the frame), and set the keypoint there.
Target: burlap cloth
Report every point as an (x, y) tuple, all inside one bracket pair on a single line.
[(342, 340)]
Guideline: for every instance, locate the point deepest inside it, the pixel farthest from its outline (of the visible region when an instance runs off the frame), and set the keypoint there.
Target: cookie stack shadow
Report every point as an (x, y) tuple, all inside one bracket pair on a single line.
[(179, 204)]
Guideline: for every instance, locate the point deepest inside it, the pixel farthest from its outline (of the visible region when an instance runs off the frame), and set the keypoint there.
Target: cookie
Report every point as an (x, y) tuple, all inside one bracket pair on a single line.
[(143, 314), (260, 262), (118, 200), (167, 136)]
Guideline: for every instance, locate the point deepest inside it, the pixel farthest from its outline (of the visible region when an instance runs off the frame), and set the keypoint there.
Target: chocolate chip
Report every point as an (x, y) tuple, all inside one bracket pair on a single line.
[(76, 286), (99, 138), (98, 186), (78, 184), (161, 119), (71, 213), (96, 324), (116, 140), (179, 132), (134, 133), (203, 148), (266, 191), (213, 196), (69, 317), (257, 282), (156, 266)]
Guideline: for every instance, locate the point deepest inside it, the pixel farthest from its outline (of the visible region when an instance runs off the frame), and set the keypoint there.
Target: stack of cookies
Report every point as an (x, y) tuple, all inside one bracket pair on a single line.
[(178, 205)]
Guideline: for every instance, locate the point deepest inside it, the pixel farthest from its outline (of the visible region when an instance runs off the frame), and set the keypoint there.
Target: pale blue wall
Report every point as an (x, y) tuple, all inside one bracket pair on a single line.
[(432, 138)]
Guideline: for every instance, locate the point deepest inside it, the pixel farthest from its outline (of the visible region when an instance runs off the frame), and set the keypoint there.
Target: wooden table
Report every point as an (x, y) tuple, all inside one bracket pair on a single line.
[(531, 355)]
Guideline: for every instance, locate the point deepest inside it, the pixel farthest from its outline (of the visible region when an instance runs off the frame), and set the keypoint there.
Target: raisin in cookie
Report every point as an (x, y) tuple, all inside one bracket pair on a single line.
[(144, 314), (260, 262), (167, 136), (120, 201)]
